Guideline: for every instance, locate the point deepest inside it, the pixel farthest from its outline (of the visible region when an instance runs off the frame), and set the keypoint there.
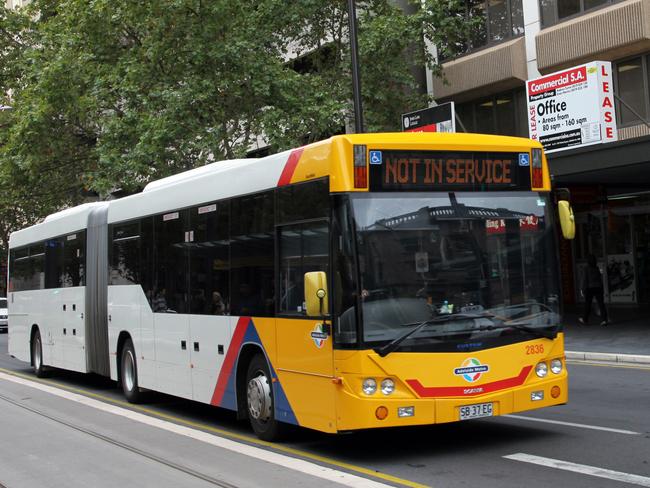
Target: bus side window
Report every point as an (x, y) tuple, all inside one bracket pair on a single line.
[(303, 236), (209, 259), (19, 269), (303, 248), (170, 258), (125, 254), (74, 259), (53, 262), (343, 282), (252, 252)]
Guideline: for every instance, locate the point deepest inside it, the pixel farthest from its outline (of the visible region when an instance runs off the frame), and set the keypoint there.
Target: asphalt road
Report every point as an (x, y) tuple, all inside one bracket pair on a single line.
[(601, 438)]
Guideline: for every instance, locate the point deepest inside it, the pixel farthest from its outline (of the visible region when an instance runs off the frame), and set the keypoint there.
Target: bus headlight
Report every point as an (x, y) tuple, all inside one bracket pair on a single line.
[(556, 366), (387, 386), (369, 386), (541, 369)]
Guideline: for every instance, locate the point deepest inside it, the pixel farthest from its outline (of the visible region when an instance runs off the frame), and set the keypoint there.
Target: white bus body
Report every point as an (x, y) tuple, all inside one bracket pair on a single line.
[(177, 353)]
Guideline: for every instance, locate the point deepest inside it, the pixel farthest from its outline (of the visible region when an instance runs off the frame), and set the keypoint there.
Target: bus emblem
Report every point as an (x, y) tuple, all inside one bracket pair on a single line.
[(319, 335), (471, 370)]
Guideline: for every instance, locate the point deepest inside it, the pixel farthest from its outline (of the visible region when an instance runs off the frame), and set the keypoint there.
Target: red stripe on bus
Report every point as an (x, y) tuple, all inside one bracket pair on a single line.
[(229, 361), (469, 390), (290, 167)]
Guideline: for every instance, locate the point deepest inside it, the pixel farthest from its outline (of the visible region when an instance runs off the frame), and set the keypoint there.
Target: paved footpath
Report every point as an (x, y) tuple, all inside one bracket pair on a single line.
[(625, 340)]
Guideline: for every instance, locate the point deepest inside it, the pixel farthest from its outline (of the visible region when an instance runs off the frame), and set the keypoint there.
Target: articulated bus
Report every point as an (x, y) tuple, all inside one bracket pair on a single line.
[(365, 281)]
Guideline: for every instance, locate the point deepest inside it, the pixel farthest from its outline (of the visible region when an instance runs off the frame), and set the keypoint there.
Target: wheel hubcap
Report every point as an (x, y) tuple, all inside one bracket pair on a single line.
[(259, 397), (129, 370)]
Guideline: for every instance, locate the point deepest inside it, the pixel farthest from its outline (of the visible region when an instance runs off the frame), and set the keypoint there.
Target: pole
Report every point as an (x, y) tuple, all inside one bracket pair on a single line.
[(356, 81)]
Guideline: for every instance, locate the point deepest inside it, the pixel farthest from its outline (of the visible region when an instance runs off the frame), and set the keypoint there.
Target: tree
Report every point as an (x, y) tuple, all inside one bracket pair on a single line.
[(109, 95)]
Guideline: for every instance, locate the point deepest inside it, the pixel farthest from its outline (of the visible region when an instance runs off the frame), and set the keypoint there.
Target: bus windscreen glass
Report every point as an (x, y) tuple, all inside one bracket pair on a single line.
[(482, 265)]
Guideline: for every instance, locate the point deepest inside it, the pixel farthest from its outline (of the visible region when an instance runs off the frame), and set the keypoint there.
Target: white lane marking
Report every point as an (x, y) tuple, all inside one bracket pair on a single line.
[(571, 424), (582, 468), (295, 464)]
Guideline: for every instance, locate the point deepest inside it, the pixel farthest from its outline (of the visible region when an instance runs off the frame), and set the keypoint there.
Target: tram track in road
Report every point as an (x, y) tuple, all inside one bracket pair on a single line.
[(122, 445), (298, 460)]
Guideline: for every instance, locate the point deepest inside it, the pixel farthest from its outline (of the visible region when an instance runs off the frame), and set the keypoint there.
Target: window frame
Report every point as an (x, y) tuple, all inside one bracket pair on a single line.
[(520, 111), (278, 262), (645, 66), (583, 11), (469, 48)]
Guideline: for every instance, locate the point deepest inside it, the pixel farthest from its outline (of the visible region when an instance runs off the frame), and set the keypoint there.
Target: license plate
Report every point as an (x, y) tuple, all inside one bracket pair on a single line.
[(476, 411)]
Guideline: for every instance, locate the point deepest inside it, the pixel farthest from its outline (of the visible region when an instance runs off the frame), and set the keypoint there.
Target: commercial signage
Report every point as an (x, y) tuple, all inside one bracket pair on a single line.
[(495, 226), (440, 118), (436, 170), (572, 108)]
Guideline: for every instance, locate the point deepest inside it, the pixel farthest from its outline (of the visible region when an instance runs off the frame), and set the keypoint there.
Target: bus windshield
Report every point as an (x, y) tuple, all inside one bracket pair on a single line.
[(481, 267)]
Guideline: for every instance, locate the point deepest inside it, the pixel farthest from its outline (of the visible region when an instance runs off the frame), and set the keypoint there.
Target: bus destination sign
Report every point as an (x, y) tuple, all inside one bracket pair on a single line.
[(443, 170)]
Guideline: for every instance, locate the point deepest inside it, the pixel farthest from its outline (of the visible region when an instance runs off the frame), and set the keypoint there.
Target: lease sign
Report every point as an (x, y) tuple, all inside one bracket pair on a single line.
[(572, 108)]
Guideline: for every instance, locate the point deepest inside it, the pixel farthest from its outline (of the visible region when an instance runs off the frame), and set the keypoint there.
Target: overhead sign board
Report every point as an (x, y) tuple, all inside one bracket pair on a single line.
[(453, 170), (573, 107), (440, 118)]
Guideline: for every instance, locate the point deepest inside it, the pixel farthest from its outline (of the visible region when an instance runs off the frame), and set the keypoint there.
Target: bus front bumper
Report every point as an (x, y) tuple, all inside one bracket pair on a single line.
[(357, 412)]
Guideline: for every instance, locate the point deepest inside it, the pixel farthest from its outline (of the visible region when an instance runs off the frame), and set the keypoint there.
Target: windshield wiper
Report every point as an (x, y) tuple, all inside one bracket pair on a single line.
[(394, 344), (530, 330)]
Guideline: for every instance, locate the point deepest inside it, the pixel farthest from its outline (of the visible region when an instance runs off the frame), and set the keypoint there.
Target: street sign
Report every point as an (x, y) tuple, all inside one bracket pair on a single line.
[(573, 107), (440, 118)]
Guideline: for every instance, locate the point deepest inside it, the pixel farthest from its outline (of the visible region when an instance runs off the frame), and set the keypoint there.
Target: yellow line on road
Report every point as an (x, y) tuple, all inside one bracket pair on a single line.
[(608, 365), (225, 433)]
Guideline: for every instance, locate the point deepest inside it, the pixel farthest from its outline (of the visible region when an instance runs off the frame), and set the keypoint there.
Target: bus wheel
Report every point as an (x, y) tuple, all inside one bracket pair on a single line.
[(37, 355), (259, 401), (129, 373)]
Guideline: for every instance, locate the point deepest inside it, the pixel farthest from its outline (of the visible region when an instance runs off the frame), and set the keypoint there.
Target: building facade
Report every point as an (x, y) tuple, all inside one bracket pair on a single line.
[(609, 183)]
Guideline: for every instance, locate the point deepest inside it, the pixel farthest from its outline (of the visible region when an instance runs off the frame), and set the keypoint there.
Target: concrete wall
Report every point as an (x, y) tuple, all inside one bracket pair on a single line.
[(607, 34), (492, 70)]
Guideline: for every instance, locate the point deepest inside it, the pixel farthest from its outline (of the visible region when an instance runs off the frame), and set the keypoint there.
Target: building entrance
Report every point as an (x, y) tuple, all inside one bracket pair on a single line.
[(616, 230)]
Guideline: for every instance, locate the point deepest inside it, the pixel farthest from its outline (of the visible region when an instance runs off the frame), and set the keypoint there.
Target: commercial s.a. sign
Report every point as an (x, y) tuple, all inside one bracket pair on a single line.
[(573, 107)]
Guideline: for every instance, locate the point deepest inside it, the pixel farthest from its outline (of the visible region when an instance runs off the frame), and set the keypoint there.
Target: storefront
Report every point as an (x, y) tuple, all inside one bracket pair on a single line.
[(610, 193)]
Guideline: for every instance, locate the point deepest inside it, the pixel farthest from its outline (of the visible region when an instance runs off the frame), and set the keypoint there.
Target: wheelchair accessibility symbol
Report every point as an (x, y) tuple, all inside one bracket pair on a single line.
[(375, 157), (524, 159)]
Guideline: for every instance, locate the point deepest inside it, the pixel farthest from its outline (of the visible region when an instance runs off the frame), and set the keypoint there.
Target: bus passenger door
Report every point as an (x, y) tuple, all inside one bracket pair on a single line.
[(170, 305), (210, 327), (73, 339), (73, 296), (304, 344)]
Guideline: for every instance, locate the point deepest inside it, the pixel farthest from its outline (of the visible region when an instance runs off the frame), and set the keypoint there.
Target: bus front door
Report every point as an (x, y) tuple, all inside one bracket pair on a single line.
[(305, 370)]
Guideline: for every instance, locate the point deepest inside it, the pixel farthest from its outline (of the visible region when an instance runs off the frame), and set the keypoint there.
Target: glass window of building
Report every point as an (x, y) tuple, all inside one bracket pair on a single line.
[(500, 20), (484, 113), (631, 86), (503, 114), (554, 11)]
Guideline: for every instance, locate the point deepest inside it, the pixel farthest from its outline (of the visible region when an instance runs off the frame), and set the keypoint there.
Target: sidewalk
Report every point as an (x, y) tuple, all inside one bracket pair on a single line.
[(626, 339)]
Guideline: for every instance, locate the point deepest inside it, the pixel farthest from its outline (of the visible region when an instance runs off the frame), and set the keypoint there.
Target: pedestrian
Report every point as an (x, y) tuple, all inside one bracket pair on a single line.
[(592, 287)]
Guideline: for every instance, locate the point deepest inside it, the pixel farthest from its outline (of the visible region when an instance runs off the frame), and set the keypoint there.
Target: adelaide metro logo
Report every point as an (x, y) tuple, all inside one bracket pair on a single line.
[(471, 370), (319, 335)]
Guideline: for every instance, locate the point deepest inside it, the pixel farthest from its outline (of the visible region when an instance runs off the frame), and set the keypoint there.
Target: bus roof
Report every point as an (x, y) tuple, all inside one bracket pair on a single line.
[(224, 179)]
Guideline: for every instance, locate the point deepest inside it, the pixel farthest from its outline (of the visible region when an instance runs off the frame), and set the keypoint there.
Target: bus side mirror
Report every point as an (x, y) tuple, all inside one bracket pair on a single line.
[(567, 221), (316, 293)]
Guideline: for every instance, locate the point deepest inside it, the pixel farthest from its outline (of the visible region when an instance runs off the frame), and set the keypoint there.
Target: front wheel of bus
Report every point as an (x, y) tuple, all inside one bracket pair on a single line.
[(259, 401), (37, 355), (129, 373)]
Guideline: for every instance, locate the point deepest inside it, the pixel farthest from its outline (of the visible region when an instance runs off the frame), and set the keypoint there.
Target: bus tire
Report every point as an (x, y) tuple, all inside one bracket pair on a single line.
[(129, 373), (37, 355), (259, 401)]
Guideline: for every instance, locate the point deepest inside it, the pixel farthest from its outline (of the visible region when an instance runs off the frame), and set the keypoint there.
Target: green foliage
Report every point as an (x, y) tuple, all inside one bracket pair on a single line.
[(109, 95)]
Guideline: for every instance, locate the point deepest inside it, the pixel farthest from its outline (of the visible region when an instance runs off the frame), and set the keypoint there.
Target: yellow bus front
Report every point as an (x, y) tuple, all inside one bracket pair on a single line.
[(443, 299)]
